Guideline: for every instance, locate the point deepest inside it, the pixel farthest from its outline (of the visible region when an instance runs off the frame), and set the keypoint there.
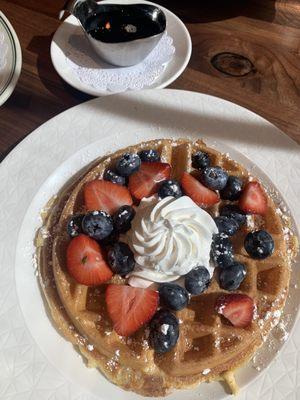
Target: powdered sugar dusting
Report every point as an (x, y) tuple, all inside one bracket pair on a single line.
[(206, 371), (164, 328)]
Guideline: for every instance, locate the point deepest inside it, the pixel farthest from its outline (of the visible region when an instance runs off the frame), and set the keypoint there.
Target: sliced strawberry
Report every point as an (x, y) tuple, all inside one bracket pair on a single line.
[(146, 180), (130, 307), (106, 196), (86, 263), (253, 199), (237, 308), (199, 193)]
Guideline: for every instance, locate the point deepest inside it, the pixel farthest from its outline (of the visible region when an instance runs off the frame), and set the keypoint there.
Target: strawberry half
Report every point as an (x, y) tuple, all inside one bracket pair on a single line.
[(237, 308), (199, 193), (130, 307), (147, 179), (253, 199), (86, 263), (106, 196)]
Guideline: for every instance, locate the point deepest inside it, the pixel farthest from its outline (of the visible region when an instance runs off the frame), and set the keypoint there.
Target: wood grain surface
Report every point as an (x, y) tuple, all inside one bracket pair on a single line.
[(243, 51)]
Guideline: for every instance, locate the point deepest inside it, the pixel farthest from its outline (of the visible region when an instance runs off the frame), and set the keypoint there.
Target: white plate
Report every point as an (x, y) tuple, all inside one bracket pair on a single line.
[(10, 59), (175, 27), (35, 362)]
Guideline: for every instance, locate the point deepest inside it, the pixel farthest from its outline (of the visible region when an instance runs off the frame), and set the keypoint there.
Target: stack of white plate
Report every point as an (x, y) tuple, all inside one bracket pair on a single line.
[(10, 59)]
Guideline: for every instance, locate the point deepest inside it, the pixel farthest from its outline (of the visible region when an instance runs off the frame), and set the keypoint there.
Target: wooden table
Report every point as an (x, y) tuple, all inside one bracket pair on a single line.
[(259, 70)]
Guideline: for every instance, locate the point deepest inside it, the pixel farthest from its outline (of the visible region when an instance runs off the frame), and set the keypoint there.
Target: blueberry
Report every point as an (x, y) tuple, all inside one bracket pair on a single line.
[(197, 280), (149, 155), (200, 160), (226, 225), (232, 276), (120, 259), (259, 244), (128, 164), (111, 176), (173, 296), (222, 251), (170, 188), (235, 213), (74, 225), (122, 219), (233, 188), (97, 224), (164, 331), (214, 178), (110, 239)]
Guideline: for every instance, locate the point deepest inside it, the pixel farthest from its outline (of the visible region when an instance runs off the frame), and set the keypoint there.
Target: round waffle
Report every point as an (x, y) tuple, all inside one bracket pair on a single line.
[(209, 347)]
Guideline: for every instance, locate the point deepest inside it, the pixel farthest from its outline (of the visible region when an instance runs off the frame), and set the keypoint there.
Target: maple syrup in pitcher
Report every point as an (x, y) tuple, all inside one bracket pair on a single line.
[(123, 24)]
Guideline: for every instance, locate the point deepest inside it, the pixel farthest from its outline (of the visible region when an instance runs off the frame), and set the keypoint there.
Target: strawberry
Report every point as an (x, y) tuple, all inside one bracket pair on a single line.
[(106, 196), (253, 199), (147, 179), (130, 307), (199, 193), (237, 308), (85, 261)]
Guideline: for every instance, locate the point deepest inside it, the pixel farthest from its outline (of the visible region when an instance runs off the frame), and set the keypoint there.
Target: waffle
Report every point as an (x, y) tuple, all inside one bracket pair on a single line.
[(209, 347)]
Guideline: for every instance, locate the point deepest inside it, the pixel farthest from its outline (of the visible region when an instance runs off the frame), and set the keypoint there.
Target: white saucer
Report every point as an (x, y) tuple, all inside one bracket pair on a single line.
[(10, 59), (175, 29)]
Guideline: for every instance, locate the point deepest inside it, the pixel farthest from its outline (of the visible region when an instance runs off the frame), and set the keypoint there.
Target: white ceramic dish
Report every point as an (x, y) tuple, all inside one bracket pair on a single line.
[(35, 362), (176, 30), (10, 59)]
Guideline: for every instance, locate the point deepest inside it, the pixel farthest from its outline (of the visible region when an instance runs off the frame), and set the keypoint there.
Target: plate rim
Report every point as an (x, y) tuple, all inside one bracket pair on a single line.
[(94, 92)]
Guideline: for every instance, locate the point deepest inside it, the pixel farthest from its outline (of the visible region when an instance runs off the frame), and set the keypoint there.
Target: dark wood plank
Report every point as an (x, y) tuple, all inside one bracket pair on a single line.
[(262, 71)]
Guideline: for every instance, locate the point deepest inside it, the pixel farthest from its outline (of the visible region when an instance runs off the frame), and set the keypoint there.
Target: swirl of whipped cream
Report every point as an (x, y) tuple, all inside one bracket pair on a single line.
[(169, 238)]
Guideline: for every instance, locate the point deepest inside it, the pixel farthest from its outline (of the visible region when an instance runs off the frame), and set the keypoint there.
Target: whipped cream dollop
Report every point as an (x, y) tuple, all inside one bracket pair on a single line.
[(169, 238)]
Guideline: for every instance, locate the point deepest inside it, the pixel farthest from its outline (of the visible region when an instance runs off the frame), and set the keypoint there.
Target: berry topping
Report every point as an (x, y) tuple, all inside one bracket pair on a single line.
[(149, 155), (128, 164), (121, 259), (199, 193), (97, 224), (222, 251), (232, 276), (233, 189), (170, 188), (235, 213), (253, 199), (200, 160), (111, 176), (164, 331), (226, 225), (122, 219), (147, 180), (214, 178), (74, 225), (259, 244), (86, 263), (197, 280), (130, 307), (173, 296), (106, 196), (237, 308)]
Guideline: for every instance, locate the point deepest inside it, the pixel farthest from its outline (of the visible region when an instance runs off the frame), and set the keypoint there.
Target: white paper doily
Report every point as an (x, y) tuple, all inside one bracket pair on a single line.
[(93, 72)]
